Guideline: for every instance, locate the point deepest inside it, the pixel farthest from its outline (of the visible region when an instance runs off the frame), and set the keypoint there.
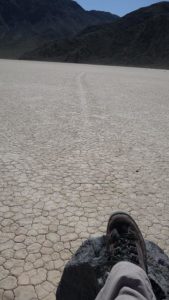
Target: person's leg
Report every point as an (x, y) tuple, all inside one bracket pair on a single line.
[(126, 281), (127, 258)]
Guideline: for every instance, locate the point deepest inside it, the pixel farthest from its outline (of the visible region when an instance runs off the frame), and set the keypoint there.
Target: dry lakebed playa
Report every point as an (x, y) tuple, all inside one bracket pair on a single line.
[(77, 142)]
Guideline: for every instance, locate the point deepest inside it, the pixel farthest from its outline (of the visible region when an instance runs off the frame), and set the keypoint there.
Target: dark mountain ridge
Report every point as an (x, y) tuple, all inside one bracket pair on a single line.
[(140, 38), (27, 24)]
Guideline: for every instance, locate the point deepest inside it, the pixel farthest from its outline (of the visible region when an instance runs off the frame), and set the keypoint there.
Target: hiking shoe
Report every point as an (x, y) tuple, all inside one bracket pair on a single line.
[(125, 241)]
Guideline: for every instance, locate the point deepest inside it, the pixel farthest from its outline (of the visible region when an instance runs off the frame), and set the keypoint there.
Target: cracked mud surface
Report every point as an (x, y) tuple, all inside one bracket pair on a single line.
[(76, 143)]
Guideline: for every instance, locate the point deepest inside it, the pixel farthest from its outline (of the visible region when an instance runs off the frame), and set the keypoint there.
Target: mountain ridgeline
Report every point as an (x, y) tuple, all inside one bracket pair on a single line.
[(140, 38), (28, 24)]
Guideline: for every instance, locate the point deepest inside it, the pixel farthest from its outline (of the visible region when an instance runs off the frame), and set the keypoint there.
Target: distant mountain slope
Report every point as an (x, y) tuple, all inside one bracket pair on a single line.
[(27, 24), (140, 38)]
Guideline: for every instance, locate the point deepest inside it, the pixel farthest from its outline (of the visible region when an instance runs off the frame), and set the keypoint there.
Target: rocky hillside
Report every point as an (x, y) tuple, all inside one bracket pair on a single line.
[(140, 38), (27, 24)]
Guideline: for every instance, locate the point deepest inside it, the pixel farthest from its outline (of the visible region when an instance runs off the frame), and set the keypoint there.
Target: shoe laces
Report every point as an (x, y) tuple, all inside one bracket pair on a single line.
[(124, 247)]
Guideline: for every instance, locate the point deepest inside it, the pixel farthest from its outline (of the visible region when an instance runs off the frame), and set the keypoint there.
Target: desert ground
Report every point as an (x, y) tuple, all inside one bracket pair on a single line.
[(77, 142)]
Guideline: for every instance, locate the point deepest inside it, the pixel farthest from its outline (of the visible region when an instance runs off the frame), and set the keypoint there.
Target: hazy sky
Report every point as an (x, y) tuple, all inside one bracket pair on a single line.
[(119, 7)]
